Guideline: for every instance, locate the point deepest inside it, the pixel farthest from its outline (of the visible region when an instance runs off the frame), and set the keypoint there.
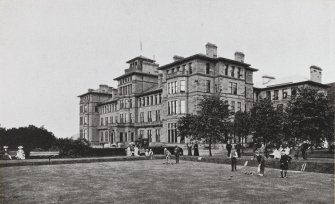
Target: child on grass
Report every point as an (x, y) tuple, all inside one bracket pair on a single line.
[(233, 156), (261, 163), (284, 160), (167, 154)]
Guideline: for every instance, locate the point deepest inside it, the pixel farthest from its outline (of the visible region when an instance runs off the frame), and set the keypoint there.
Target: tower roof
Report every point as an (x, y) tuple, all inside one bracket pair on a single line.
[(142, 58)]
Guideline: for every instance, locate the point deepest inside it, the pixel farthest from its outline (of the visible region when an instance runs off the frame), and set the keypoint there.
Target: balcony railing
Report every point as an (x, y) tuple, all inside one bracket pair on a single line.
[(152, 123), (171, 75)]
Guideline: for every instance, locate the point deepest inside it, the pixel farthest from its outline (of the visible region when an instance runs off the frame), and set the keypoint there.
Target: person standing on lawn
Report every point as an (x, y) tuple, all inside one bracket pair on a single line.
[(177, 153), (284, 160), (167, 154), (261, 163), (233, 157), (304, 148), (196, 149), (238, 149), (189, 149), (228, 147)]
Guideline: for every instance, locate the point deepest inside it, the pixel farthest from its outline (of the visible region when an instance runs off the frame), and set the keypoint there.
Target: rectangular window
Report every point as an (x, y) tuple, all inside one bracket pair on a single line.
[(160, 98), (175, 87), (268, 94), (156, 100), (152, 100), (85, 120), (233, 88), (158, 135), (81, 121), (232, 105), (141, 133), (208, 68), (121, 136), (121, 118), (239, 108), (239, 72), (130, 118), (142, 117), (148, 100), (232, 71), (158, 115), (111, 119), (182, 107), (132, 137), (106, 120), (275, 95), (116, 121), (85, 109), (280, 107), (81, 135), (149, 135), (81, 109), (182, 86), (208, 86), (101, 121), (149, 116), (226, 70), (284, 93), (172, 132), (190, 68)]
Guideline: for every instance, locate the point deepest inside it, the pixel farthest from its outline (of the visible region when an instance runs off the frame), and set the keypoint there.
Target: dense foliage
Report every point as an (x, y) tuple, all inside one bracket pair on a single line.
[(29, 137), (210, 124)]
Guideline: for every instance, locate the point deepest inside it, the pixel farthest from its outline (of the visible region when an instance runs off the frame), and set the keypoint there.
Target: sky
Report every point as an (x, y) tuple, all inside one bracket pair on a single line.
[(53, 51)]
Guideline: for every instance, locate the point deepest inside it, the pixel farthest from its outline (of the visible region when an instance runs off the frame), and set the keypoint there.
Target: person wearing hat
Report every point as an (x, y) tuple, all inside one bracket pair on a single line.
[(177, 153), (284, 160), (20, 153), (167, 154), (261, 163)]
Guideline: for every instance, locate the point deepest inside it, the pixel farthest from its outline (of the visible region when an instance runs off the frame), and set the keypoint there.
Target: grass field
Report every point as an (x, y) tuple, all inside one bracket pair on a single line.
[(155, 182)]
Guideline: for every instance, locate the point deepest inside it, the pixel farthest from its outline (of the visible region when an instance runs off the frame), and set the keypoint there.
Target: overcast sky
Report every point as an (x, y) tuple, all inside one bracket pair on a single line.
[(53, 51)]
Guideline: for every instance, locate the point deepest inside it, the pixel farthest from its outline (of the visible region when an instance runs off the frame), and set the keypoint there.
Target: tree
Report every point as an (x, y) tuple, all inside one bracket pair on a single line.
[(243, 125), (185, 126), (309, 117), (266, 122), (29, 137), (212, 120)]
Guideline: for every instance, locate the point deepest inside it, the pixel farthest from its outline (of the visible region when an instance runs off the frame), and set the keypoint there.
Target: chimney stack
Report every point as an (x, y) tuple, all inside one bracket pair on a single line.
[(239, 56), (177, 58), (211, 50), (316, 73)]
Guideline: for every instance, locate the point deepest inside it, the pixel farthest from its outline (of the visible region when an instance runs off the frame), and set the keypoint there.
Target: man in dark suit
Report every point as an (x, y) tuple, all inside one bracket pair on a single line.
[(228, 147)]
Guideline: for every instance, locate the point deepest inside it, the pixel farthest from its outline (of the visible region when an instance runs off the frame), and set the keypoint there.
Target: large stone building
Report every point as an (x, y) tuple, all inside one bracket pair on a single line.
[(150, 98)]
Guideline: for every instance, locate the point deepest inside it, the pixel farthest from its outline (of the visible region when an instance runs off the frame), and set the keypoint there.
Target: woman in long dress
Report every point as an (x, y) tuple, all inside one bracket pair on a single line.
[(196, 149)]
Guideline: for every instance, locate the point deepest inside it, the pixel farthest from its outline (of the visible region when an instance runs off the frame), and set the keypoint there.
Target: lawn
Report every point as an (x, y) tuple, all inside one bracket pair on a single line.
[(155, 182)]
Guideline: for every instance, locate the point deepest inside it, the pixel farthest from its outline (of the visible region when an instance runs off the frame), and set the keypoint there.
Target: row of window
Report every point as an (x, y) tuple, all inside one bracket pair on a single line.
[(176, 107), (284, 94), (173, 87), (125, 80), (150, 134), (181, 68), (83, 120), (149, 116), (84, 109), (149, 100), (126, 90), (109, 137), (233, 108), (124, 118), (83, 133)]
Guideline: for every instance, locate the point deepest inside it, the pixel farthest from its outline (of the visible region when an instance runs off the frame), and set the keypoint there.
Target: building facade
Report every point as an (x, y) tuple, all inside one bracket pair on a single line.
[(150, 98), (280, 90)]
